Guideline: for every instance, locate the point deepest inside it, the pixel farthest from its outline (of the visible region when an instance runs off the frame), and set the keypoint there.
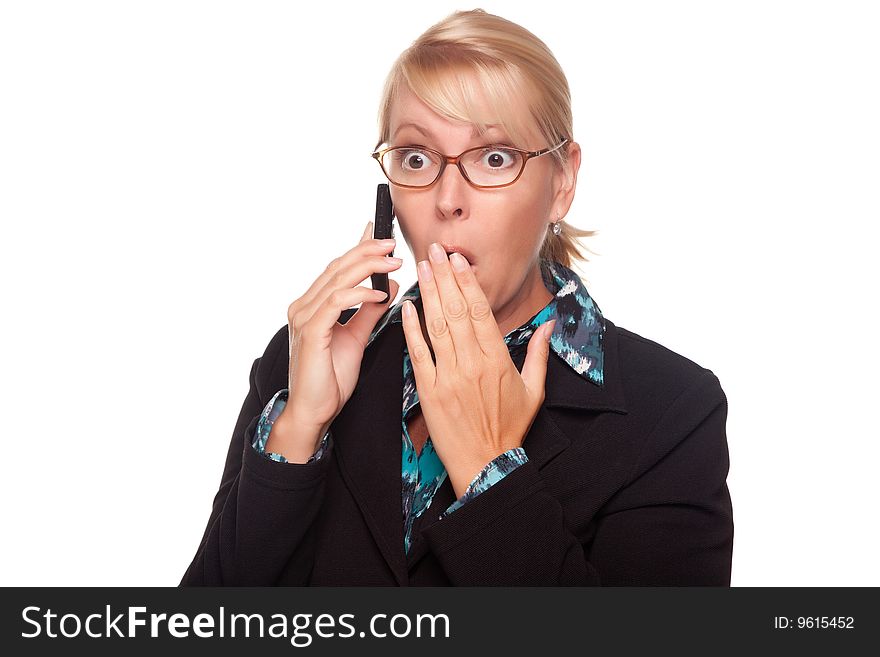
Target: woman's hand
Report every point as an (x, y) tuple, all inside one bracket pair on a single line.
[(475, 403), (325, 356)]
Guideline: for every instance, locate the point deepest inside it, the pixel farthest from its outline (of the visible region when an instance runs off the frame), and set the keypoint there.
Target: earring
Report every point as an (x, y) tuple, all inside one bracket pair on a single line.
[(557, 226)]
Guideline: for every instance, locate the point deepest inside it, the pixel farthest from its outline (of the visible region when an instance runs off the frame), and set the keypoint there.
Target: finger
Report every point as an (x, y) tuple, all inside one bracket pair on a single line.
[(364, 320), (435, 320), (424, 370), (342, 261), (483, 322), (454, 306), (324, 318), (343, 264), (348, 270), (345, 275)]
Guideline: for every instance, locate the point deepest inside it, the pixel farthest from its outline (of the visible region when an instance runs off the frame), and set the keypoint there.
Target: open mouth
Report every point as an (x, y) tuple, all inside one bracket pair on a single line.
[(454, 248)]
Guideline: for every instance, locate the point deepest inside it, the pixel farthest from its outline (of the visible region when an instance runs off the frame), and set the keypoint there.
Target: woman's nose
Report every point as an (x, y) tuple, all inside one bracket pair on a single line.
[(451, 189)]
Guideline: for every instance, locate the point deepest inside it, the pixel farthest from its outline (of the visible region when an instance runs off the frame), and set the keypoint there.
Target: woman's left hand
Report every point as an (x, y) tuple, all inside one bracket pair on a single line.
[(475, 403)]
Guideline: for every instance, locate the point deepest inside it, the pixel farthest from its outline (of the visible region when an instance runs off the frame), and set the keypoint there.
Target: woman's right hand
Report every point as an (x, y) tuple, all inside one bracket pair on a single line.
[(325, 356)]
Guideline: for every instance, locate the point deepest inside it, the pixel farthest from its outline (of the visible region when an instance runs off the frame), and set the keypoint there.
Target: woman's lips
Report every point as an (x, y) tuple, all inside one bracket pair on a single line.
[(455, 248)]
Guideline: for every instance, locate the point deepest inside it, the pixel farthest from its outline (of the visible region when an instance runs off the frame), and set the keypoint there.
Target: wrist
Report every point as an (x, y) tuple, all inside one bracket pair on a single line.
[(294, 439)]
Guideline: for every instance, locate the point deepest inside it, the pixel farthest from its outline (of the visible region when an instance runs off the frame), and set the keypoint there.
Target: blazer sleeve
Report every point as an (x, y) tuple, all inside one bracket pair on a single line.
[(671, 524), (261, 515)]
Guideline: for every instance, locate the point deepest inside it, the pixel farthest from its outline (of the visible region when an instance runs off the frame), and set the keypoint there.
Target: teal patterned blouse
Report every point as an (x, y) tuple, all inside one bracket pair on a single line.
[(577, 338)]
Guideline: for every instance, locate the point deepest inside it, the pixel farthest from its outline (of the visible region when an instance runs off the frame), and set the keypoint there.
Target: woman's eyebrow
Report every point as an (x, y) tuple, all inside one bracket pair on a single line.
[(474, 133)]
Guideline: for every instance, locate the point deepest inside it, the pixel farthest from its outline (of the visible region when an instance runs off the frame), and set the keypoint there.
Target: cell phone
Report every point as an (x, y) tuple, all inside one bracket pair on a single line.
[(383, 229)]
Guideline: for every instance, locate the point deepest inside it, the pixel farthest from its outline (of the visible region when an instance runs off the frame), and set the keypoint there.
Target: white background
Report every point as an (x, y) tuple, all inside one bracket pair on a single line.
[(158, 217)]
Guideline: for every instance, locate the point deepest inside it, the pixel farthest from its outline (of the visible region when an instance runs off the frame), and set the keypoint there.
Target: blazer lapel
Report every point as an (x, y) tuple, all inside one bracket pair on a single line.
[(564, 388), (367, 436), (367, 444)]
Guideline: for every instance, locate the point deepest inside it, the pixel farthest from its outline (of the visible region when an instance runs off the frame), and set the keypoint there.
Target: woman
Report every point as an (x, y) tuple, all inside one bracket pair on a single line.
[(537, 442)]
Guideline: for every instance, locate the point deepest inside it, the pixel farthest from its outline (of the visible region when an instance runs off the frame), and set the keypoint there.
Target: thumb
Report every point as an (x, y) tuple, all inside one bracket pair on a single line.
[(534, 370), (365, 319)]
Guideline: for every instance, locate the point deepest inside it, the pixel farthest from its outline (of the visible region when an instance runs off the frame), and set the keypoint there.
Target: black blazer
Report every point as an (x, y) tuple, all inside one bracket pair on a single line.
[(625, 485)]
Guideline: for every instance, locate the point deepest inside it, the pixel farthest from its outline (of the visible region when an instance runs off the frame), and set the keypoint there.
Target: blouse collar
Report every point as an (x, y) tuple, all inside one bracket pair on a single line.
[(578, 336)]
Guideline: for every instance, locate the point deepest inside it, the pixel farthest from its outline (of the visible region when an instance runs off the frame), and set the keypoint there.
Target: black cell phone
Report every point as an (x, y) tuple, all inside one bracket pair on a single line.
[(383, 228)]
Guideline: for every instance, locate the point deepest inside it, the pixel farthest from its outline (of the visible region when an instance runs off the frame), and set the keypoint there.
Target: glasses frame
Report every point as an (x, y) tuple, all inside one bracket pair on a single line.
[(448, 159)]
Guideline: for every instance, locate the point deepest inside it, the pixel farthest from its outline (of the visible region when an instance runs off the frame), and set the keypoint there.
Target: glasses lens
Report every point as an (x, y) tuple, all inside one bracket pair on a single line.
[(411, 166), (492, 165), (487, 166)]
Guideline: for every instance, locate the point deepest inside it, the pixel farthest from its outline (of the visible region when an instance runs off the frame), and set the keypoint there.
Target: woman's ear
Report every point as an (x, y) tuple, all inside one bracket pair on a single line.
[(565, 182)]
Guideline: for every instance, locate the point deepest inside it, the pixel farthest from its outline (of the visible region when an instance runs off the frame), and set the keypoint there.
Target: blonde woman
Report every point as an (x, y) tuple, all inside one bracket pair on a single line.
[(492, 427)]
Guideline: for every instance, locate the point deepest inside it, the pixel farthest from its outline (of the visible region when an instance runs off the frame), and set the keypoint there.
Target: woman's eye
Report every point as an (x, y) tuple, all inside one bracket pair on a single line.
[(498, 158), (413, 160)]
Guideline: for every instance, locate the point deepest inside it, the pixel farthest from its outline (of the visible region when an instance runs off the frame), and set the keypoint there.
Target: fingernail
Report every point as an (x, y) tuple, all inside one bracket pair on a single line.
[(436, 252), (459, 262), (424, 268), (367, 231), (549, 330)]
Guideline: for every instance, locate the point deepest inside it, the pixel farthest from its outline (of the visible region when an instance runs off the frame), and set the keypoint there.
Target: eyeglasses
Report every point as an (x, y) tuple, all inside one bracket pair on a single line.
[(483, 166)]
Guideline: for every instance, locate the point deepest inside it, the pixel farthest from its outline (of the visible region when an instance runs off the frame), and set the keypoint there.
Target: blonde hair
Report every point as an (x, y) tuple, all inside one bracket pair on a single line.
[(506, 62)]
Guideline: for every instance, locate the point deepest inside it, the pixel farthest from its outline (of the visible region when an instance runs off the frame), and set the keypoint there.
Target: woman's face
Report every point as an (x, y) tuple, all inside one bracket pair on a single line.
[(502, 228)]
